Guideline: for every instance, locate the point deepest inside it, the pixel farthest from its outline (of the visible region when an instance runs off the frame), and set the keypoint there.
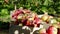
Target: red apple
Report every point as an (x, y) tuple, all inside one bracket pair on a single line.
[(52, 30)]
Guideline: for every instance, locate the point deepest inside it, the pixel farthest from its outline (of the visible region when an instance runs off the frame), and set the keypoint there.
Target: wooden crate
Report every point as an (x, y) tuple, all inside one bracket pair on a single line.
[(20, 30)]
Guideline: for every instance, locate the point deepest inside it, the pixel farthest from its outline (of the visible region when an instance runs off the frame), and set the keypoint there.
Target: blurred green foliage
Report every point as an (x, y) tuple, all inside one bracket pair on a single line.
[(38, 6)]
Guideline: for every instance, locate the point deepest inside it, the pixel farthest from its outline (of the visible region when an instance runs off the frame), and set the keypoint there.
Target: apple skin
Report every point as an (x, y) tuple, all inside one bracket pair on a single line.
[(52, 30), (44, 17), (42, 31), (49, 18)]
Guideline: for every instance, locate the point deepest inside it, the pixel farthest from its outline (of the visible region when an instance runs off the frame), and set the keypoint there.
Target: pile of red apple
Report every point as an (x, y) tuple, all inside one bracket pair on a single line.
[(28, 18)]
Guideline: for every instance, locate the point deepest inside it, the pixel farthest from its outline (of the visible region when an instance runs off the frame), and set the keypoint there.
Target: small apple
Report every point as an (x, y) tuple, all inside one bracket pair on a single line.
[(52, 21), (44, 17)]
